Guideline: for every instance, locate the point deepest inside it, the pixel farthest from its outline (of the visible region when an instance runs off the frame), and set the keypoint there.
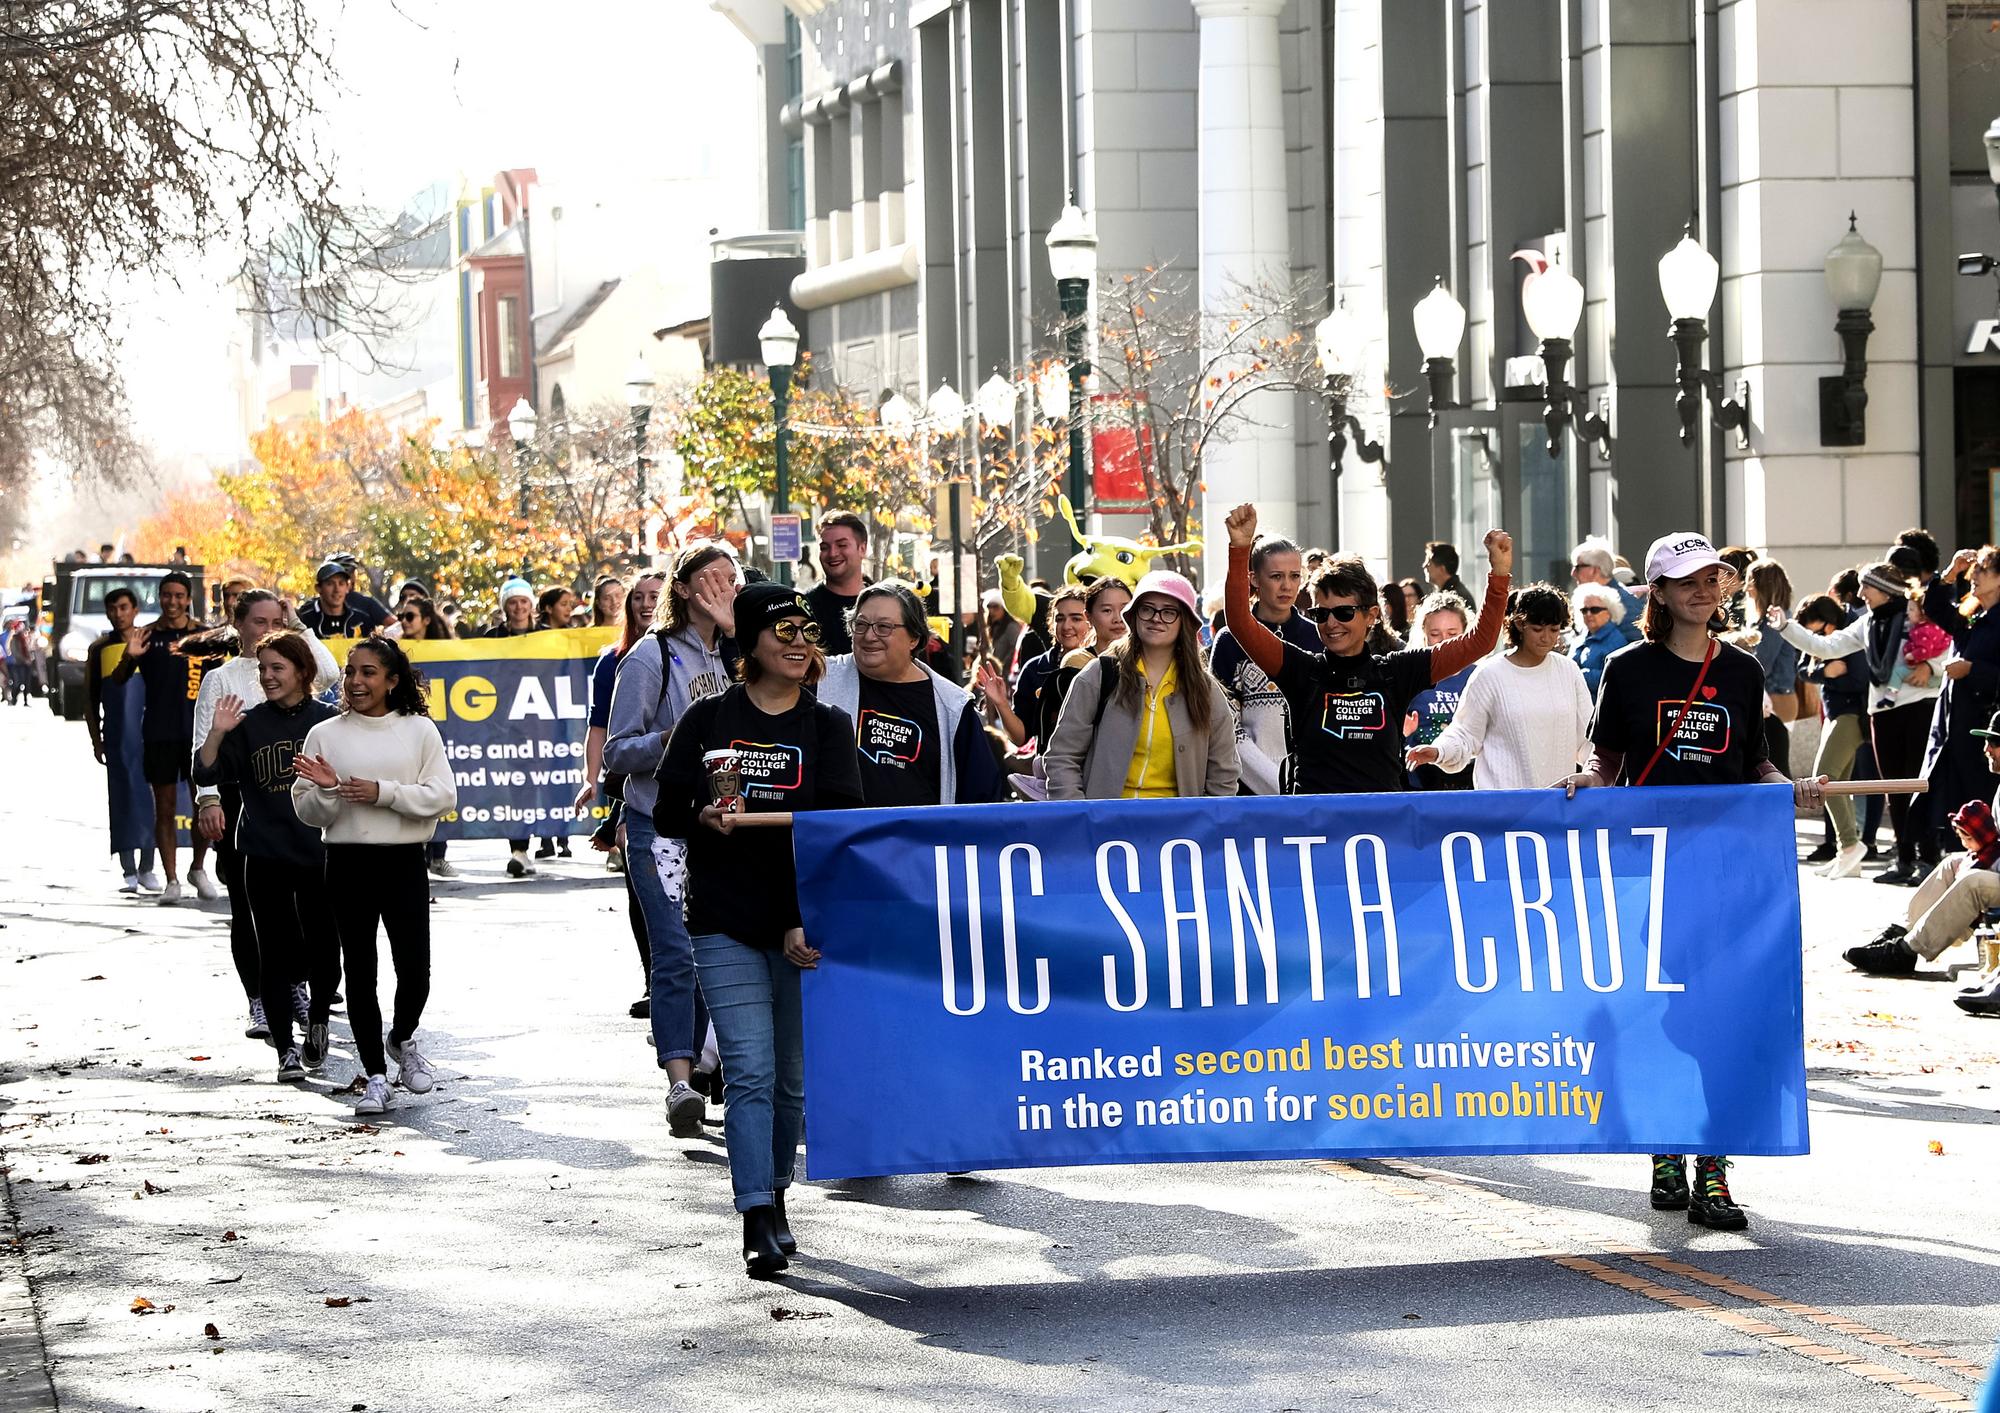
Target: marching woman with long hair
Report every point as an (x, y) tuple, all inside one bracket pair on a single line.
[(1524, 720), (374, 780), (688, 656), (1644, 704), (283, 860), (1147, 719), (742, 904)]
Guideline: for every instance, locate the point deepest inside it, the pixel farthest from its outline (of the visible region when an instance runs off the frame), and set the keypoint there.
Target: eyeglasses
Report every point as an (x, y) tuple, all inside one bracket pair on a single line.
[(1340, 613), (1594, 608), (790, 630), (409, 618), (883, 628), (1158, 613)]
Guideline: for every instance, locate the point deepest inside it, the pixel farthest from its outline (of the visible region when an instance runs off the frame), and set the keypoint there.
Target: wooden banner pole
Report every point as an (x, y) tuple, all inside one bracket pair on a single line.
[(1875, 787)]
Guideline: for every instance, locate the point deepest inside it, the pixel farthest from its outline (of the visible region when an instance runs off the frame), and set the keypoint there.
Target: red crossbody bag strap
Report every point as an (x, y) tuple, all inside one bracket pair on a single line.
[(1693, 692)]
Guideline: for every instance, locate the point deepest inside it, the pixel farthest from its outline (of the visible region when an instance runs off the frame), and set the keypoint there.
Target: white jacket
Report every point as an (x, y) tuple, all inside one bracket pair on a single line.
[(404, 755)]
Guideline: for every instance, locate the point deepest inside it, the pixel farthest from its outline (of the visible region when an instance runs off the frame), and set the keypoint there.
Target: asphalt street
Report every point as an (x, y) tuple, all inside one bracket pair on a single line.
[(528, 1235)]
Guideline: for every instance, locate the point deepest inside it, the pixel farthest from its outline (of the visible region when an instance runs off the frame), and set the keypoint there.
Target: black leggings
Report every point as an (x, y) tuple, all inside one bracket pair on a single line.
[(1901, 734), (229, 863), (296, 939), (383, 884), (1778, 745)]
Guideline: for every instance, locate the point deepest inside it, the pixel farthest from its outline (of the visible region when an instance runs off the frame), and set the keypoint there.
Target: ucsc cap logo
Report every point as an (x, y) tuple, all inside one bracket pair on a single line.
[(1689, 545)]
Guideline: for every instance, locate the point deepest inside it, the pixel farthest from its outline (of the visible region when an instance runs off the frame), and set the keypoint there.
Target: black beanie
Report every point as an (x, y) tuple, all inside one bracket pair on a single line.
[(758, 606)]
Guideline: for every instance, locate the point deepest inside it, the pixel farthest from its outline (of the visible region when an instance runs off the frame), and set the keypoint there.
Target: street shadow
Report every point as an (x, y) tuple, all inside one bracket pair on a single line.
[(1894, 1102)]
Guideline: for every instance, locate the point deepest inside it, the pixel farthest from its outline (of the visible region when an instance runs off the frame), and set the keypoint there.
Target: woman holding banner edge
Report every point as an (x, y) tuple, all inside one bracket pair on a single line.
[(742, 905), (1654, 684)]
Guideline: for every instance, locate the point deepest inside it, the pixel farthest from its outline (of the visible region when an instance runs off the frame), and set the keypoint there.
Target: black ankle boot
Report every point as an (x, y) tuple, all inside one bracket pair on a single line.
[(781, 1227), (762, 1256)]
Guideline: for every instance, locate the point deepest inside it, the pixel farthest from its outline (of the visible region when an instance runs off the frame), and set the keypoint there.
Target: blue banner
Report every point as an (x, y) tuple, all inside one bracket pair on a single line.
[(513, 712), (1309, 976)]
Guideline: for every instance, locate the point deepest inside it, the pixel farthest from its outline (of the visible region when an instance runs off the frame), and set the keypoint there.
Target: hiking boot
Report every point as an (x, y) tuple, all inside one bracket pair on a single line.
[(1710, 1204), (1670, 1183), (1887, 955)]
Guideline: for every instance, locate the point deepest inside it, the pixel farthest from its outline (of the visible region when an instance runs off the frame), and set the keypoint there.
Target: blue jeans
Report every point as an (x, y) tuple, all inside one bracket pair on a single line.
[(671, 989), (753, 998)]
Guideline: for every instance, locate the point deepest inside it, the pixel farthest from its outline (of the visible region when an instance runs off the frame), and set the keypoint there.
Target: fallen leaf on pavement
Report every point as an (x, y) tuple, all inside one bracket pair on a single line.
[(142, 1306), (338, 1302), (364, 1128), (782, 1312), (93, 978), (1937, 1149), (152, 1191), (210, 1332), (197, 1057), (87, 1159), (231, 1236), (687, 1344), (225, 1280)]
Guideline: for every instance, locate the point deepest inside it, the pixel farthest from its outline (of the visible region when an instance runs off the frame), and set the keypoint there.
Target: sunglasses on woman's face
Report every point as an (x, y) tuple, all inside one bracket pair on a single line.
[(1598, 609), (409, 618), (1340, 613), (790, 630)]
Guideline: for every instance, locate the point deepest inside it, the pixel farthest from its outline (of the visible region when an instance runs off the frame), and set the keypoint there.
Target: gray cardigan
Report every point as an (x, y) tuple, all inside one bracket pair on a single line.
[(1083, 762), (841, 687), (643, 714)]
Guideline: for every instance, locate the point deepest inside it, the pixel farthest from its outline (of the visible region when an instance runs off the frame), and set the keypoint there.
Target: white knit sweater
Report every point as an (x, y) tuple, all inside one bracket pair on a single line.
[(404, 755), (1523, 727)]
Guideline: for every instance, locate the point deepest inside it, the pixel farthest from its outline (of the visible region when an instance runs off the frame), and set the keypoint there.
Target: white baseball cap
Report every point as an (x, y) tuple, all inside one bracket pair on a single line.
[(1678, 555)]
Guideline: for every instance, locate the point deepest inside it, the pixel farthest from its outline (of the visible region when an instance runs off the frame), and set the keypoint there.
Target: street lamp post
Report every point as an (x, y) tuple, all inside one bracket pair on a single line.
[(1552, 301), (1688, 276), (1853, 275), (1072, 243), (1993, 154), (639, 397), (778, 341), (1440, 322), (1342, 345), (521, 424)]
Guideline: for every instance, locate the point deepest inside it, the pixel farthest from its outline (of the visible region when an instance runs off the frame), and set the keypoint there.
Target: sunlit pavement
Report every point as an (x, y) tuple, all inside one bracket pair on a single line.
[(528, 1235)]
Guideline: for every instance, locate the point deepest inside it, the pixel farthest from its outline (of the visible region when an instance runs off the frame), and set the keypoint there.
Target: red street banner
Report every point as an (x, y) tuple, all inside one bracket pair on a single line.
[(1121, 448)]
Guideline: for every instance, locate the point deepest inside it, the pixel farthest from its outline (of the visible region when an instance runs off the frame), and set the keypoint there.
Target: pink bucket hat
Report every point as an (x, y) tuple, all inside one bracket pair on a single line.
[(1174, 586)]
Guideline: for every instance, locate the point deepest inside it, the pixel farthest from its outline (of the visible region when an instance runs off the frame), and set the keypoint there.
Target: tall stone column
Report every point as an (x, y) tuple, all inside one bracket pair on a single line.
[(1244, 238)]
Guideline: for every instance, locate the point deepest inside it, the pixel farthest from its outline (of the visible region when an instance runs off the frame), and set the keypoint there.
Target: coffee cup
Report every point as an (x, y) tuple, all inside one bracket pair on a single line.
[(725, 780)]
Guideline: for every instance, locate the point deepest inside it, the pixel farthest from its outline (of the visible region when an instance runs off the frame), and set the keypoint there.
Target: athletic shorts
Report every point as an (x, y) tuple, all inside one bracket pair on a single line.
[(164, 762)]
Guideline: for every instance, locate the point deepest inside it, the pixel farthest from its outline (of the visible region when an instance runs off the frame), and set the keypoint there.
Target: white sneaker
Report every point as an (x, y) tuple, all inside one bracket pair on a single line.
[(443, 868), (260, 1025), (685, 1110), (413, 1071), (204, 886), (149, 882), (375, 1098), (130, 885), (170, 894), (1847, 862)]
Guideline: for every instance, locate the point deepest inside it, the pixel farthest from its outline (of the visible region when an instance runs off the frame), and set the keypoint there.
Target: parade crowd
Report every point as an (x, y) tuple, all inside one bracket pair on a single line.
[(318, 787)]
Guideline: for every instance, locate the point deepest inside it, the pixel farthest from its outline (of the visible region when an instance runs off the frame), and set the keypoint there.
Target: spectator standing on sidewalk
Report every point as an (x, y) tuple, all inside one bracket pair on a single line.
[(281, 873), (742, 891), (689, 656), (374, 780), (113, 712), (1441, 568)]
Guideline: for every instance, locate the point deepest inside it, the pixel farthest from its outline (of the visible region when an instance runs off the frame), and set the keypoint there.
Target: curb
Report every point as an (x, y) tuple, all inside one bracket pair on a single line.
[(26, 1385)]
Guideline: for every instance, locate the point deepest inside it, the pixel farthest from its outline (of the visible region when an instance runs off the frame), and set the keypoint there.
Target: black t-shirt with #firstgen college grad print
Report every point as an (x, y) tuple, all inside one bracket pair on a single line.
[(1347, 717), (1719, 742), (743, 884), (898, 739)]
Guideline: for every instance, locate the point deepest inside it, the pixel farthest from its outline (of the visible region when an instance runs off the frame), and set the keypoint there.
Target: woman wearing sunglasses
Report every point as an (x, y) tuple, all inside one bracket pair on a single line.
[(1147, 719), (418, 619), (1348, 703), (790, 752)]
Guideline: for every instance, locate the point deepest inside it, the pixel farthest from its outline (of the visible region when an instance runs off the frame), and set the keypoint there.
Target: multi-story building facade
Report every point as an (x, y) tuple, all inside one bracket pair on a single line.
[(924, 147)]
